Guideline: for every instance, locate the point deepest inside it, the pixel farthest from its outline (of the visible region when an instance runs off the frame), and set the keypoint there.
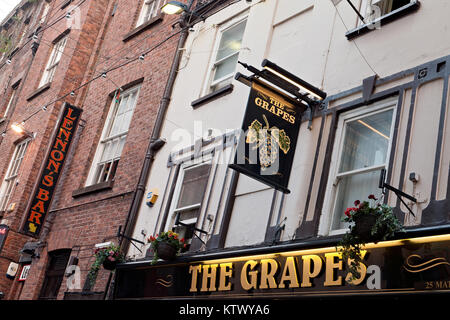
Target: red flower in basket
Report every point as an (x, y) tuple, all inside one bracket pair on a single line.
[(348, 212)]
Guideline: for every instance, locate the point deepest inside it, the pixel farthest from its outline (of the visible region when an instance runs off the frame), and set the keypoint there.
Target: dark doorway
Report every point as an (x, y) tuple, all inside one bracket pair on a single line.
[(55, 274)]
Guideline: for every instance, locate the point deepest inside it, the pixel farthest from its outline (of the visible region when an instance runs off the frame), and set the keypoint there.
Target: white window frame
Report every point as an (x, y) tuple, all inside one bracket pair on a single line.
[(173, 211), (327, 215), (23, 35), (94, 175), (5, 114), (45, 12), (53, 61), (365, 6), (149, 10), (12, 174), (212, 68)]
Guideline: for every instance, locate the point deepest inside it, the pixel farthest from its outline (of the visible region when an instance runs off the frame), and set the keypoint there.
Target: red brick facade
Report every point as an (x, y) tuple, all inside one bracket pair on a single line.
[(106, 37)]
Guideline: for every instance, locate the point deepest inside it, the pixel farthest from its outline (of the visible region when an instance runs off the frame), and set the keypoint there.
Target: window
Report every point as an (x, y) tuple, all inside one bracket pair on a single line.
[(23, 35), (191, 187), (55, 274), (363, 150), (44, 13), (8, 106), (12, 174), (150, 9), (114, 135), (374, 9), (227, 56), (53, 61)]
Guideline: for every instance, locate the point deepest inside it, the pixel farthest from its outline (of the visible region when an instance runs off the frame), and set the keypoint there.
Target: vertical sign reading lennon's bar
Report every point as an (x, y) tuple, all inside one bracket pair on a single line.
[(42, 197)]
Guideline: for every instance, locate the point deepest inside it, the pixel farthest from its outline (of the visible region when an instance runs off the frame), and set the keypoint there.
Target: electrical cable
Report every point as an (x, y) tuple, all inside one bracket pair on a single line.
[(45, 27), (113, 68), (354, 42)]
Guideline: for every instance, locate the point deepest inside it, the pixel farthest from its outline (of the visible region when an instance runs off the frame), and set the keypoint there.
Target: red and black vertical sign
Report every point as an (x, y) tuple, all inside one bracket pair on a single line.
[(3, 233), (54, 162)]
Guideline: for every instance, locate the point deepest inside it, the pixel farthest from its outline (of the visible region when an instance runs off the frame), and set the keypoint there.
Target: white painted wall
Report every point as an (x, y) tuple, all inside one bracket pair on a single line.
[(307, 37)]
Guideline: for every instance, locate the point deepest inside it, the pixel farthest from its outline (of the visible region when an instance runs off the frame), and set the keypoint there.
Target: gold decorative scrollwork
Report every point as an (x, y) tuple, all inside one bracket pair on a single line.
[(415, 268), (165, 283)]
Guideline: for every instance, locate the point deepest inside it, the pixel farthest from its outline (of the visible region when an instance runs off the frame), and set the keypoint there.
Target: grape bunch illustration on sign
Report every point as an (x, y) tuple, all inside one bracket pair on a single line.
[(267, 140)]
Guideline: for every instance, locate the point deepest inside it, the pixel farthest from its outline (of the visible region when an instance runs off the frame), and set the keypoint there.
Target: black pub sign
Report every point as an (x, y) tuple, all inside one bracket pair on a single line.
[(53, 164), (268, 139), (397, 266)]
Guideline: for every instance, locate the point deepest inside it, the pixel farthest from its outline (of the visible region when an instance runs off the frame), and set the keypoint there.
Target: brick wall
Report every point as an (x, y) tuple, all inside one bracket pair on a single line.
[(79, 223)]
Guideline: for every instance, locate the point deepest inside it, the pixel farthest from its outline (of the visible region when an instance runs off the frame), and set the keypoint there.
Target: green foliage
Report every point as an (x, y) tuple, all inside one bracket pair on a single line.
[(5, 44), (168, 237), (384, 227), (111, 253), (284, 141)]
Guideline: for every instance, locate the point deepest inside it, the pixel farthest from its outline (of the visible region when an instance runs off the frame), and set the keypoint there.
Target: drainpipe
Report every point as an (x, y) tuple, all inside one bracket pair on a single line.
[(155, 140), (155, 144)]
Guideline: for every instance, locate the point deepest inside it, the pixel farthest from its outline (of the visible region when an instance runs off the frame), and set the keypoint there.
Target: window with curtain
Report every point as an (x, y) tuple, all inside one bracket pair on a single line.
[(364, 151), (150, 9), (191, 189), (12, 174), (114, 135), (227, 55)]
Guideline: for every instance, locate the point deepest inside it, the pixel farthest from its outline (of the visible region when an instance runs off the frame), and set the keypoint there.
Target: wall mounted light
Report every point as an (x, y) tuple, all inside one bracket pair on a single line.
[(293, 79), (174, 7), (177, 7), (18, 128)]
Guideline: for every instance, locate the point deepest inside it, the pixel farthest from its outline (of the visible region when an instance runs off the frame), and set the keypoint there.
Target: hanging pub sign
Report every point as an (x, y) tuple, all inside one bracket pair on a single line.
[(268, 139), (54, 162), (3, 233)]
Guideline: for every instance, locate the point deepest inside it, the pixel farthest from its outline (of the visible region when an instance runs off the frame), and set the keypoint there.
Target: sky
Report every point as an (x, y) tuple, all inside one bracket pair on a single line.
[(6, 6)]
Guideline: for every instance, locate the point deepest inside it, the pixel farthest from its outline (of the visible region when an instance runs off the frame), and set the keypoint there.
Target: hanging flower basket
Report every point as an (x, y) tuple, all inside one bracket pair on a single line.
[(363, 226), (166, 251), (109, 265), (166, 246), (370, 221)]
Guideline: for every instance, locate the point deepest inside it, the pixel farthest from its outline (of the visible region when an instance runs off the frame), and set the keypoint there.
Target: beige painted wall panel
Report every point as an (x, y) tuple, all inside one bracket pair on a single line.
[(287, 9), (406, 43), (300, 43), (294, 205), (398, 156), (445, 157), (248, 222), (422, 148), (320, 163)]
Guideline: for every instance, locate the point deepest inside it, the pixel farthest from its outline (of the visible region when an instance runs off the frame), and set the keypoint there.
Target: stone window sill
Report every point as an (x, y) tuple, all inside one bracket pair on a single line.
[(39, 90), (392, 16), (212, 96), (142, 27), (107, 185)]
